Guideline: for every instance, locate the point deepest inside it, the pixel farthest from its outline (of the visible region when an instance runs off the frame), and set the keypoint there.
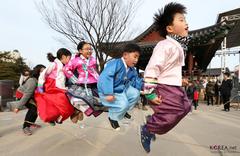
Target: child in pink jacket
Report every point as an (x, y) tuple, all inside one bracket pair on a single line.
[(163, 74), (82, 72)]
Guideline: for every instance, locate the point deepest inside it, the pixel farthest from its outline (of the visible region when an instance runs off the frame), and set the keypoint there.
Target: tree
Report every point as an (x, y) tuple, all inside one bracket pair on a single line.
[(98, 21), (11, 66)]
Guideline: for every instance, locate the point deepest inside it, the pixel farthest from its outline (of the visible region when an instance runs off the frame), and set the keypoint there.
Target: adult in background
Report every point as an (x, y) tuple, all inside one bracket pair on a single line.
[(216, 88), (225, 90), (210, 92)]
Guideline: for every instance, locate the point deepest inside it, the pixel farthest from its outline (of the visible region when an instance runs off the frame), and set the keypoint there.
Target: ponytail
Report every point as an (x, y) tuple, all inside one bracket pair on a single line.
[(50, 57)]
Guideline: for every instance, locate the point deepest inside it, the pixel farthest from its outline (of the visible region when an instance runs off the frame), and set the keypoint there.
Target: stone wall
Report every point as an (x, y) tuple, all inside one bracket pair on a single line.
[(6, 92)]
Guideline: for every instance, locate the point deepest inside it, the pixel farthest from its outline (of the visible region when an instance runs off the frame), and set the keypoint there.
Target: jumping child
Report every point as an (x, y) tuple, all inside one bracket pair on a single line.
[(163, 74), (119, 85), (53, 104), (84, 65), (25, 96)]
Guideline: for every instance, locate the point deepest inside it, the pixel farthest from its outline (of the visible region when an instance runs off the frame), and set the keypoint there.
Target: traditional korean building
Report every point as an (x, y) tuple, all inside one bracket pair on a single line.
[(202, 47)]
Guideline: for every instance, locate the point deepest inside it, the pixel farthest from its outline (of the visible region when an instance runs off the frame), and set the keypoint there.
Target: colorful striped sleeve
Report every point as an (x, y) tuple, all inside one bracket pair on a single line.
[(149, 86)]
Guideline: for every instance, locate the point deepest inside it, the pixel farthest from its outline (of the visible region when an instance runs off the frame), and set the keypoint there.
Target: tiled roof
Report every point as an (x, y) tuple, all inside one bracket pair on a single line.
[(203, 45)]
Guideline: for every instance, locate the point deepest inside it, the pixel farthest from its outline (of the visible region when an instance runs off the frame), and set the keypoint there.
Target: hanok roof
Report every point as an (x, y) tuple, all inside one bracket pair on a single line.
[(205, 42), (229, 17), (214, 72)]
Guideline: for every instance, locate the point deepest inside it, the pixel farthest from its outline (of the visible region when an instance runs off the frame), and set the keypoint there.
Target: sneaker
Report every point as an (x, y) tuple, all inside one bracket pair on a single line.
[(27, 131), (52, 123), (154, 136), (114, 124), (59, 122), (146, 138), (128, 116)]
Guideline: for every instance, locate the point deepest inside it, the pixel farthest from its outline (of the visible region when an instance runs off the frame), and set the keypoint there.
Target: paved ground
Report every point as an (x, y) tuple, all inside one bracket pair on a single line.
[(193, 136)]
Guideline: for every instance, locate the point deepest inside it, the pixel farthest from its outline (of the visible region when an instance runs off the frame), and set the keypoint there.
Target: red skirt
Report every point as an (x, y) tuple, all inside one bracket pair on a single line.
[(53, 102)]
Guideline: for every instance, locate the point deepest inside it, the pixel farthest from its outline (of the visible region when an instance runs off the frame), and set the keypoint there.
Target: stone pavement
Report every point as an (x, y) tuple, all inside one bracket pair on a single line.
[(204, 132)]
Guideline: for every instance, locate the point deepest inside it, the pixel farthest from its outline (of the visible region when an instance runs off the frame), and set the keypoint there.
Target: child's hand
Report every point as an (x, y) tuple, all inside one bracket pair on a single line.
[(157, 100), (16, 110), (40, 89), (110, 98)]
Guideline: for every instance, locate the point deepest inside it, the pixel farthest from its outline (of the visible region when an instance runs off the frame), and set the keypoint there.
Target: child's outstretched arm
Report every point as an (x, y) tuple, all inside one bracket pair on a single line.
[(106, 80), (152, 72), (30, 87), (149, 87)]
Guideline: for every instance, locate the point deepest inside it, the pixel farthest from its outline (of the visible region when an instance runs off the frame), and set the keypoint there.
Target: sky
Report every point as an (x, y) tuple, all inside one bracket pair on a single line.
[(22, 27)]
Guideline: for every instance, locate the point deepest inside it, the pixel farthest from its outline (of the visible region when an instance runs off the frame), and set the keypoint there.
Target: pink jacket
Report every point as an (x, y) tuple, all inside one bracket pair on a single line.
[(165, 64), (78, 63)]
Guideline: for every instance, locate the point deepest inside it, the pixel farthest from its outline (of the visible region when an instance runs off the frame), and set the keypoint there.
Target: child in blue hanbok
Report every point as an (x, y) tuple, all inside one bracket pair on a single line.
[(119, 85)]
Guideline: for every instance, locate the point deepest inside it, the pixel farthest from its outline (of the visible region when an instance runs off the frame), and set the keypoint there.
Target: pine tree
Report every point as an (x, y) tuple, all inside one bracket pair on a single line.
[(11, 67)]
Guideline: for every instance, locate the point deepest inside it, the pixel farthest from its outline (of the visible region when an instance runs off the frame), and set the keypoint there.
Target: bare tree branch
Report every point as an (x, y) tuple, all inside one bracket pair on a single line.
[(100, 22)]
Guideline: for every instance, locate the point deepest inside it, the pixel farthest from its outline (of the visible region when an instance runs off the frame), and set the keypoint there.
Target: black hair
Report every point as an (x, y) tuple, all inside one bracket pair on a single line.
[(60, 53), (36, 70), (165, 17), (24, 71), (80, 46), (131, 47), (227, 74)]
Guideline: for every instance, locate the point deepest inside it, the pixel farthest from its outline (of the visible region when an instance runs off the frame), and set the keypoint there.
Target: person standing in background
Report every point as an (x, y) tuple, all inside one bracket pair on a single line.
[(225, 91)]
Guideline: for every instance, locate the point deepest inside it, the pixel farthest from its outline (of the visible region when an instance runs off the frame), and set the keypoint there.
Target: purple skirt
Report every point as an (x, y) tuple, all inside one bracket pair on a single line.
[(175, 105)]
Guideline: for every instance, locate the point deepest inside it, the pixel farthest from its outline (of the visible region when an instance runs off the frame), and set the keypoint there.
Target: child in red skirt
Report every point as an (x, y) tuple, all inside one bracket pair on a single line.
[(53, 104)]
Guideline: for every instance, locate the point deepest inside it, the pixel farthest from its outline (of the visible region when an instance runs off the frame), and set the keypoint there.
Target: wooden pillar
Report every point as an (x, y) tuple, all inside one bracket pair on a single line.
[(190, 64), (198, 74)]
